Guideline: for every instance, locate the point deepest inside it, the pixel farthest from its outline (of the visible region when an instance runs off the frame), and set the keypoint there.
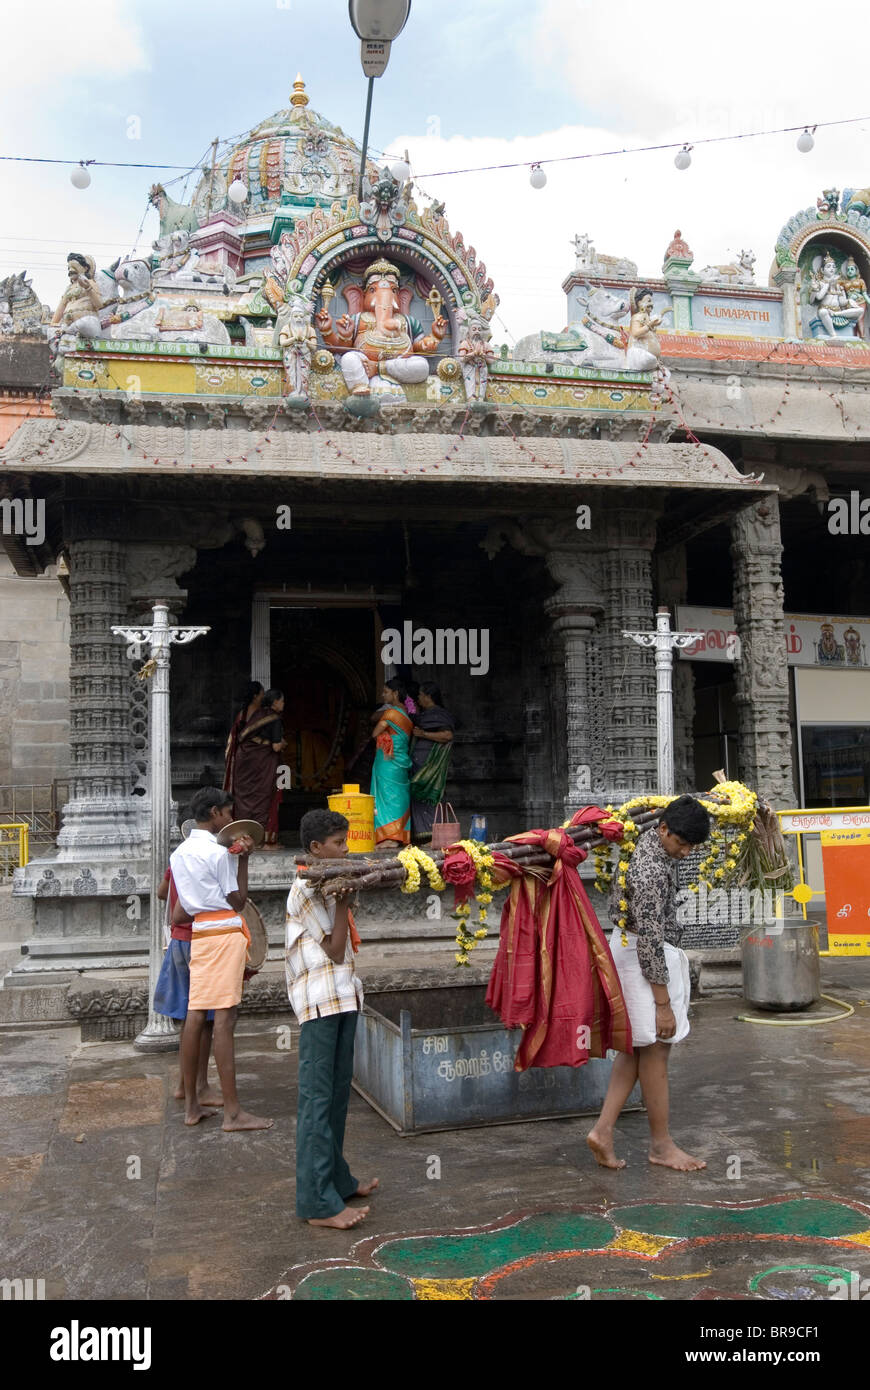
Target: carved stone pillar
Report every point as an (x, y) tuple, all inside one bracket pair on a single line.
[(538, 679), (573, 625), (762, 698), (574, 610), (101, 817), (629, 670), (673, 590)]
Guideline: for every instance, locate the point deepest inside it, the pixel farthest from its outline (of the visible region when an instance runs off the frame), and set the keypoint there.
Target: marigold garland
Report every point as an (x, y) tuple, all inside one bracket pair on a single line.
[(733, 808), (412, 860), (466, 940)]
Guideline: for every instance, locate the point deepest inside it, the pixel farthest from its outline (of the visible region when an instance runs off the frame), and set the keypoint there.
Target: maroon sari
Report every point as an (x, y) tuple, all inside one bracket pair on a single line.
[(255, 792)]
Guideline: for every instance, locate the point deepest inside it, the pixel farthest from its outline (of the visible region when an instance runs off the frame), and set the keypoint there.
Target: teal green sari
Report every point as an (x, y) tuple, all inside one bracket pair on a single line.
[(390, 785)]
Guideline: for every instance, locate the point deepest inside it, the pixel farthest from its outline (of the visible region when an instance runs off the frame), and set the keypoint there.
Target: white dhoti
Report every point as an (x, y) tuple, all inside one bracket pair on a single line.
[(407, 371), (637, 991)]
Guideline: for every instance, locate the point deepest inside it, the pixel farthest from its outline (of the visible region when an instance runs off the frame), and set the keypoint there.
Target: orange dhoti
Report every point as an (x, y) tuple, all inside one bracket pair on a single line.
[(218, 951)]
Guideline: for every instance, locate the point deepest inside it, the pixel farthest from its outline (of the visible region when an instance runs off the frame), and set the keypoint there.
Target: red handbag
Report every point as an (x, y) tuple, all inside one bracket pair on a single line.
[(445, 831)]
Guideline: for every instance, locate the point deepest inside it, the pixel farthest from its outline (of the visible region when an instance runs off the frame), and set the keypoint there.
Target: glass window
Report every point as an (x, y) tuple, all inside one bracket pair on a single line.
[(836, 763)]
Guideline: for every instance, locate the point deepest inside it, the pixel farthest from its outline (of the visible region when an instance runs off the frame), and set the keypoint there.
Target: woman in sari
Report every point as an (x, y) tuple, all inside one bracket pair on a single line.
[(392, 736), (251, 702), (255, 791), (430, 758)]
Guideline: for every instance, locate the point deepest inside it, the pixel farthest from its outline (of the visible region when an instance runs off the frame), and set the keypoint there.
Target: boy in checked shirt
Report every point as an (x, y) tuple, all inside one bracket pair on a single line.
[(326, 996)]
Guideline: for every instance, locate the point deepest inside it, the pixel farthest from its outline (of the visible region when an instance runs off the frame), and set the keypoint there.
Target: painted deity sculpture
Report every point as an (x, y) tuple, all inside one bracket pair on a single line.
[(834, 304), (475, 352), (381, 342), (78, 311), (298, 341), (642, 327)]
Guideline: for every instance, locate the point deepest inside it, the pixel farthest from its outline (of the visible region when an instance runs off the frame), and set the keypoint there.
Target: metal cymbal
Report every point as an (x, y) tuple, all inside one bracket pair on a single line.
[(231, 832), (186, 827)]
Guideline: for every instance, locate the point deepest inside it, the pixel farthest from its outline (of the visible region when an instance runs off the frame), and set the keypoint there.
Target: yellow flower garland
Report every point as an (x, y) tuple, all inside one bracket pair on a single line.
[(483, 862), (732, 807), (412, 860)]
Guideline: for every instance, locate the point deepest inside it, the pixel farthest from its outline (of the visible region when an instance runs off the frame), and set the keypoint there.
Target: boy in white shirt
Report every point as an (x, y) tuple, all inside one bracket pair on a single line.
[(212, 888), (326, 996)]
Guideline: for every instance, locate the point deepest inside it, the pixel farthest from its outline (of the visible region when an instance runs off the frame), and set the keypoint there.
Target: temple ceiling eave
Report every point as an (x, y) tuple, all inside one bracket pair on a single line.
[(90, 448)]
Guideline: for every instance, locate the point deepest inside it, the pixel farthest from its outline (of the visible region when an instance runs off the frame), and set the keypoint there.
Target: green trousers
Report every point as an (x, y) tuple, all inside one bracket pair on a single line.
[(323, 1179)]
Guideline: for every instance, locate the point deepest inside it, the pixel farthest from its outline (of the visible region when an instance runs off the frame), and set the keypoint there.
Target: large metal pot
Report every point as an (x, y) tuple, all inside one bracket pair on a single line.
[(781, 971)]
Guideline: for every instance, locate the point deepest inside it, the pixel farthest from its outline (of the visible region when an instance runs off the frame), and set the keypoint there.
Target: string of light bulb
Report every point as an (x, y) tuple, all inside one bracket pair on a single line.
[(400, 168)]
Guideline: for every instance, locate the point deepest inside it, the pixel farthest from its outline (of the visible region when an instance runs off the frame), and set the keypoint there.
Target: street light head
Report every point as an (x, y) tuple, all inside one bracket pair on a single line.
[(382, 20)]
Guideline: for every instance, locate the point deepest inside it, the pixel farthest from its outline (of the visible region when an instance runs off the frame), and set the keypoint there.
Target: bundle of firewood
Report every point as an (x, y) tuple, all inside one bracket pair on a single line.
[(361, 872)]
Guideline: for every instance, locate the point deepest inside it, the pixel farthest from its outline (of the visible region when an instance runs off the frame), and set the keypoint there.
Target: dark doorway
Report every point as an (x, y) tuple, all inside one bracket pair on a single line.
[(324, 660)]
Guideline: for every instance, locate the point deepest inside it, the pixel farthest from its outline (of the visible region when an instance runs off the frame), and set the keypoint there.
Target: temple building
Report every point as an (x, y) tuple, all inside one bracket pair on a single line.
[(290, 423)]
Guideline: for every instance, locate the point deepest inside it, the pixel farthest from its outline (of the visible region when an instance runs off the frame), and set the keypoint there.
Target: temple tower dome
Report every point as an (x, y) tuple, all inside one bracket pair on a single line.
[(295, 156)]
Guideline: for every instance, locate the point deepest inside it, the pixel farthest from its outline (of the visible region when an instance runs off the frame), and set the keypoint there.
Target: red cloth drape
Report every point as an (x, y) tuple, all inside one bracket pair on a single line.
[(554, 975)]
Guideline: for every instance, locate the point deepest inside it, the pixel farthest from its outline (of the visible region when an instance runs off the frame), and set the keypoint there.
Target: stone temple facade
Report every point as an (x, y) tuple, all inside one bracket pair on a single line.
[(290, 424)]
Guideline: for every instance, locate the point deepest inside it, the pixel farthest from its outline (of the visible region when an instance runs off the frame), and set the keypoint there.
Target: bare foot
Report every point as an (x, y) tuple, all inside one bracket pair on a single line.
[(667, 1155), (210, 1097), (343, 1220), (242, 1120), (178, 1093), (602, 1148), (196, 1113), (365, 1189)]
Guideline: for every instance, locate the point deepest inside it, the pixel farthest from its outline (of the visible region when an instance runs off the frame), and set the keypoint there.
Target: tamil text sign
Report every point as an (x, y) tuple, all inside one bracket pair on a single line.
[(810, 639)]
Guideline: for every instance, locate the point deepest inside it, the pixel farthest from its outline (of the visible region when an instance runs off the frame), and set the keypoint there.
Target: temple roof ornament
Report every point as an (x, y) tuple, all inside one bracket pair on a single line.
[(679, 249), (299, 96), (295, 155)]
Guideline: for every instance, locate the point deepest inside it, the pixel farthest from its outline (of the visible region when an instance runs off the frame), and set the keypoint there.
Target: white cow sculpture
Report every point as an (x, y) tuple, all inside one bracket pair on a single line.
[(600, 331)]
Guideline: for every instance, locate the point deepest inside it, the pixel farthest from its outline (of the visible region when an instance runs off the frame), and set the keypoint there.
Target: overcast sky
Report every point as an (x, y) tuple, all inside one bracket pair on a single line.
[(508, 80)]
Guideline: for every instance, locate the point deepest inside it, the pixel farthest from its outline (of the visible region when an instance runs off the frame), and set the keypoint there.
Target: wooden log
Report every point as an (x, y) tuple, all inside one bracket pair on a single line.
[(386, 869), (364, 872)]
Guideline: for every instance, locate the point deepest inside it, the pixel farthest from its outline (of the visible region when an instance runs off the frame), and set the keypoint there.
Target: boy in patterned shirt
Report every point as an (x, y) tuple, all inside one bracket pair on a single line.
[(654, 975), (326, 996)]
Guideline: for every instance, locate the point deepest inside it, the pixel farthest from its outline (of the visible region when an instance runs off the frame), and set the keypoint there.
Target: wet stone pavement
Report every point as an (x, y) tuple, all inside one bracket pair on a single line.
[(104, 1193)]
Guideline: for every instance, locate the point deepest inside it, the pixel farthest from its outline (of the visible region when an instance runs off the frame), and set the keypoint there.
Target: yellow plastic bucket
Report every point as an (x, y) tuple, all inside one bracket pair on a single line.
[(360, 812)]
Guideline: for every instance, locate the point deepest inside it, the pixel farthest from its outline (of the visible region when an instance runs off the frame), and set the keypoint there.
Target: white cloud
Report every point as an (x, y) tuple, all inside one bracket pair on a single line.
[(62, 41), (735, 195), (710, 69)]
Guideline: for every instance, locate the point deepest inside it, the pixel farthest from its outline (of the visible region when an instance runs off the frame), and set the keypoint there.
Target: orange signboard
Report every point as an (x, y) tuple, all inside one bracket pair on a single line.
[(846, 864)]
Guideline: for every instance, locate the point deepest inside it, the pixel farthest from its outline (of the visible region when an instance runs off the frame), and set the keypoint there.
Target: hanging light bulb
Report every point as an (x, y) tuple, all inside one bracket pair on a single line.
[(805, 142), (683, 158), (537, 177), (80, 178), (237, 191)]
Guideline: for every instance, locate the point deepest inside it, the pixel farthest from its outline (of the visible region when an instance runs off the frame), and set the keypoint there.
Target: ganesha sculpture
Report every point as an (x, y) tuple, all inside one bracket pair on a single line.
[(380, 342)]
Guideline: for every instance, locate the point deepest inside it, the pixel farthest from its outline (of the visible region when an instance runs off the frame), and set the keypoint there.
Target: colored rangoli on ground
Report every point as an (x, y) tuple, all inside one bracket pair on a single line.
[(785, 1247)]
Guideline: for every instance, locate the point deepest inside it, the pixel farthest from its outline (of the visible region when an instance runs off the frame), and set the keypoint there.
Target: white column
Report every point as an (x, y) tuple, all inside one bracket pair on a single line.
[(664, 641), (160, 1034)]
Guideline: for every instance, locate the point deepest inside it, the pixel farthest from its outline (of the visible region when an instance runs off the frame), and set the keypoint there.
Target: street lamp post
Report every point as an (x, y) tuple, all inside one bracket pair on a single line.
[(160, 1034), (376, 23), (664, 641)]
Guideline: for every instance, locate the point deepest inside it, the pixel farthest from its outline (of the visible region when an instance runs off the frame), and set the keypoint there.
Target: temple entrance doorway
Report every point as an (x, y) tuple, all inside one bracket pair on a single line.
[(324, 654)]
